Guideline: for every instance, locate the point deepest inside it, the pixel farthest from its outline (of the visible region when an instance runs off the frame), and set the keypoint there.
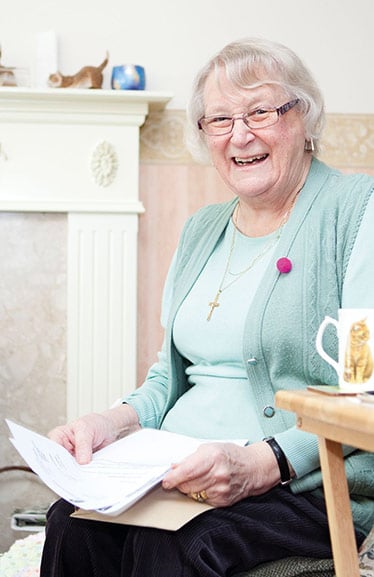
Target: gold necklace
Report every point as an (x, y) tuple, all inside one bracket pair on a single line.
[(222, 287)]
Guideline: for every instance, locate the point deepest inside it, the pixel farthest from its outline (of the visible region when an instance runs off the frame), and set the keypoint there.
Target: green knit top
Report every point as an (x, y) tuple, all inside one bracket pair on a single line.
[(278, 344)]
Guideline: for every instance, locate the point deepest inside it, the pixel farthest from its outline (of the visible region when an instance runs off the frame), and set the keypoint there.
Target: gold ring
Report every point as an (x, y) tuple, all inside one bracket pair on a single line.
[(200, 496)]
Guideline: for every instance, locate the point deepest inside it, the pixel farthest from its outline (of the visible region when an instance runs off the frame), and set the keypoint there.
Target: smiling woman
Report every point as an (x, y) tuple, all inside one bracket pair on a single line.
[(246, 292), (257, 117), (248, 65), (259, 154)]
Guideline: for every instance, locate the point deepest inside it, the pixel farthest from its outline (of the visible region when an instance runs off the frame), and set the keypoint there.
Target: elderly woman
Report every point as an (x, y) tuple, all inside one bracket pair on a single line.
[(249, 285)]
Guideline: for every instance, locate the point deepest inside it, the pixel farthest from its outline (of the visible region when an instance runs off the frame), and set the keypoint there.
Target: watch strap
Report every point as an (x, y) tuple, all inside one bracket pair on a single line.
[(281, 458)]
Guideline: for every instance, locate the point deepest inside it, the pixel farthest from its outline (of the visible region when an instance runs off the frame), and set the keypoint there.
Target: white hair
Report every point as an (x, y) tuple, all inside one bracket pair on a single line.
[(253, 62)]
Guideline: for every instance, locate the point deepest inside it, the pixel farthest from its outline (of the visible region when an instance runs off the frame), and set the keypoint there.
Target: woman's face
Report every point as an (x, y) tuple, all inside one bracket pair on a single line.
[(253, 162)]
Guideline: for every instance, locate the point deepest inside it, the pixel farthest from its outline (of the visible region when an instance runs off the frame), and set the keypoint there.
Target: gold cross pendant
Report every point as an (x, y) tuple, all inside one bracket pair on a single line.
[(214, 304)]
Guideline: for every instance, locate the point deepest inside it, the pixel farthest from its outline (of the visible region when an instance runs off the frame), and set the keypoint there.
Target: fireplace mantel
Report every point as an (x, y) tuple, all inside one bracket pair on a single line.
[(77, 152), (68, 150)]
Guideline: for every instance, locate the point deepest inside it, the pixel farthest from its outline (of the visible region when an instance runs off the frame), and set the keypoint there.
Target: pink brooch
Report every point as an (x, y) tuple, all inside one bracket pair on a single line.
[(284, 265)]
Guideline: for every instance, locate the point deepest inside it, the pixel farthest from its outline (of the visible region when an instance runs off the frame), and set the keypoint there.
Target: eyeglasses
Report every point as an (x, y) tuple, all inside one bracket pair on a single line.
[(260, 118)]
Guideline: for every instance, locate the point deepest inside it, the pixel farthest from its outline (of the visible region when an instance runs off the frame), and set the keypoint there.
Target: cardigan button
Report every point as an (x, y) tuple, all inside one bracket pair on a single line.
[(252, 361), (268, 411)]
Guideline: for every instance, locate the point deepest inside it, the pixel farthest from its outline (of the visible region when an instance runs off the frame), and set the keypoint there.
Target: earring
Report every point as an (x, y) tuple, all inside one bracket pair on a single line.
[(309, 145)]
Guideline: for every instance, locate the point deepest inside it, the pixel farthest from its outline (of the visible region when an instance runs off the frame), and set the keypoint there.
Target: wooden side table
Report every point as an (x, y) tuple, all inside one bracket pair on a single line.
[(336, 420)]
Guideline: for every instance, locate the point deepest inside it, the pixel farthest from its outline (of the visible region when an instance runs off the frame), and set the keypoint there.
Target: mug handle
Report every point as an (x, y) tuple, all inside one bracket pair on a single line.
[(327, 321)]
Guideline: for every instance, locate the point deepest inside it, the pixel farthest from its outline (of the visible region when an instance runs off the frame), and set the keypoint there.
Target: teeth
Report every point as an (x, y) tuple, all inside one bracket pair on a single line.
[(243, 161)]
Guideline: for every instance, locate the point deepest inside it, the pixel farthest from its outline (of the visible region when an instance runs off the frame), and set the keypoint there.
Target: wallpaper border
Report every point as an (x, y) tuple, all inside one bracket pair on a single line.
[(348, 140)]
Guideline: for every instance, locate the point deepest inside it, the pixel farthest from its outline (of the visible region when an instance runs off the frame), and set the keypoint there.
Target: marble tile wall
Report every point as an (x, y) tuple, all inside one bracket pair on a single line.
[(33, 282), (32, 346)]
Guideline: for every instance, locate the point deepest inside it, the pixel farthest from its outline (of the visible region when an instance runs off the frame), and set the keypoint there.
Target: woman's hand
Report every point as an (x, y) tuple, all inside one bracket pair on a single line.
[(226, 472), (87, 434)]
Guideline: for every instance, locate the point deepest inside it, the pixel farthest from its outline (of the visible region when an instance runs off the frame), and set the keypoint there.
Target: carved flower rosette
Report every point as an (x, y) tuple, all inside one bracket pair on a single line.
[(104, 163)]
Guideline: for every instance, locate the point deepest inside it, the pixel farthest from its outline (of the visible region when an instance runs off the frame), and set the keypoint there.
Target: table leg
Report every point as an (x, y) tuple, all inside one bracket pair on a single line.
[(338, 509)]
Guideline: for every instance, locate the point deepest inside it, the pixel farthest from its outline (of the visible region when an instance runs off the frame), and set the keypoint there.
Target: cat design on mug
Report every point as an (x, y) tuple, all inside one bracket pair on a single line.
[(358, 362), (86, 77)]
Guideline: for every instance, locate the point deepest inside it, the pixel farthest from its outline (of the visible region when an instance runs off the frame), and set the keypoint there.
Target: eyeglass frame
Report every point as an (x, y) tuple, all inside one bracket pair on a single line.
[(280, 110)]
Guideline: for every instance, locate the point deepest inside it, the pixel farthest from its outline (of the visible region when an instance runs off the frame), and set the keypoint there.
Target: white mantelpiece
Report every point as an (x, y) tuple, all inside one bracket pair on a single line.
[(77, 151)]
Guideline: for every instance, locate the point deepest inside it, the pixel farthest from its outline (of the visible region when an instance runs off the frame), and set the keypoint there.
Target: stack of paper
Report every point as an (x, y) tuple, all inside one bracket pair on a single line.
[(118, 475)]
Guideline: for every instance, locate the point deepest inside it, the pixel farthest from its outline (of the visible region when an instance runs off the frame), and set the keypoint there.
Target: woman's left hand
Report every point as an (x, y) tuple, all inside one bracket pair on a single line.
[(225, 472)]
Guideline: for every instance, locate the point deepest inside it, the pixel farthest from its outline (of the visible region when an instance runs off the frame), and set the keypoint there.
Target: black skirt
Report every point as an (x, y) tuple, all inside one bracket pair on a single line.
[(221, 542)]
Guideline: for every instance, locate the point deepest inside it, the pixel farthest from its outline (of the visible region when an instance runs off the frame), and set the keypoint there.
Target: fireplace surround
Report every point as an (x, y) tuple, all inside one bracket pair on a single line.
[(77, 152)]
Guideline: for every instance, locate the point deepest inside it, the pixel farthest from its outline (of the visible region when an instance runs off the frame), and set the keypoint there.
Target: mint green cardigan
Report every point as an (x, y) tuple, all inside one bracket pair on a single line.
[(282, 321)]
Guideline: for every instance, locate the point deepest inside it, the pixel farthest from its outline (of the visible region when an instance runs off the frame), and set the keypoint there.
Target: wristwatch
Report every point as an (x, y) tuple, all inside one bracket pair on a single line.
[(281, 460)]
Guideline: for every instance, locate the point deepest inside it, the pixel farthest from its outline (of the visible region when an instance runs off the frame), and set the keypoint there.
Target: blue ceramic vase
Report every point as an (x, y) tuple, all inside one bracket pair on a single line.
[(128, 77)]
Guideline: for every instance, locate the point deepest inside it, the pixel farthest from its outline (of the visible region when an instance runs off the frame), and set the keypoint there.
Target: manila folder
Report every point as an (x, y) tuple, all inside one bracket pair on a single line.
[(159, 509)]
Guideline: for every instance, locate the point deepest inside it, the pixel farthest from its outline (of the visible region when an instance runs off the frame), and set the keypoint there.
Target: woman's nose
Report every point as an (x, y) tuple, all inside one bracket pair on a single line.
[(241, 132)]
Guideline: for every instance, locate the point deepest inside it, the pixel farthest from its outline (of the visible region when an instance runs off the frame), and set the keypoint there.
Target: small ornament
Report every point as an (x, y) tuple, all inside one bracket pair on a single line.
[(128, 77), (86, 77), (284, 265), (7, 76)]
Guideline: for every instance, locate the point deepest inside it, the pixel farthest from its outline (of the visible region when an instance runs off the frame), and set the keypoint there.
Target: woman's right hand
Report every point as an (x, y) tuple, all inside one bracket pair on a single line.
[(91, 432)]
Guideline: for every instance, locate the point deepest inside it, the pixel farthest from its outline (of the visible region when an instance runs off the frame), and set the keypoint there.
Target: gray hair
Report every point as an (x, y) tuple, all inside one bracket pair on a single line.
[(253, 62)]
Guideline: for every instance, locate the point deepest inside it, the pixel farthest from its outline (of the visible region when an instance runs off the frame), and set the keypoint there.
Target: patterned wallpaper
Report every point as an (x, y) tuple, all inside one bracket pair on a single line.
[(348, 140)]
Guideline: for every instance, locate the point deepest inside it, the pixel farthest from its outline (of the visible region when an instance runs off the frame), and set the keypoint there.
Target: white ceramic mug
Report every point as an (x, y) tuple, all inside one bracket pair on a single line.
[(355, 365)]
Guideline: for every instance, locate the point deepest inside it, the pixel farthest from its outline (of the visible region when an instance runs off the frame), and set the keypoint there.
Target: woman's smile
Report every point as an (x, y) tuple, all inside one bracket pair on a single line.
[(250, 160)]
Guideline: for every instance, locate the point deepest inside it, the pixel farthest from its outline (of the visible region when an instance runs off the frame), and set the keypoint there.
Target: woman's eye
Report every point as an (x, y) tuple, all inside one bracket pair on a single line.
[(259, 112), (220, 119)]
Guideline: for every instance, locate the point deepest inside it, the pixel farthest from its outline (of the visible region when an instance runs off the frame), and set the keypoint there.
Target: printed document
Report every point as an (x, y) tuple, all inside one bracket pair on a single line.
[(118, 475)]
